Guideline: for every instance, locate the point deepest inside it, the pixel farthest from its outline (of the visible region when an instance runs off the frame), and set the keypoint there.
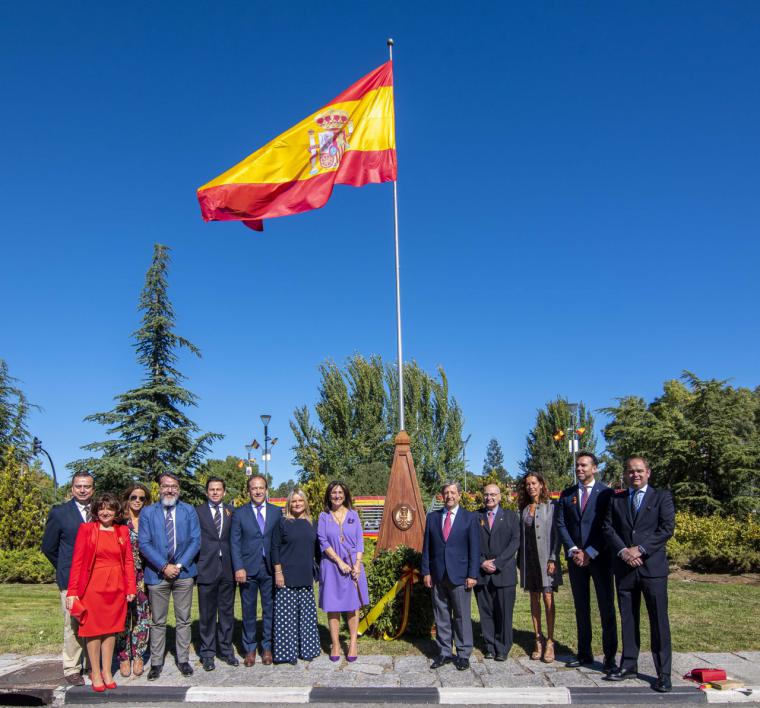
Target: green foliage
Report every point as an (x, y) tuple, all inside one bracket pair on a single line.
[(382, 574), (493, 464), (553, 458), (283, 489), (234, 475), (14, 410), (150, 432), (702, 439), (26, 494), (358, 416), (716, 544), (25, 566)]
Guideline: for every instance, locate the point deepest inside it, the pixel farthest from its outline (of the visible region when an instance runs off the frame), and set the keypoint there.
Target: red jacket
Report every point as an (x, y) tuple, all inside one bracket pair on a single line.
[(84, 558)]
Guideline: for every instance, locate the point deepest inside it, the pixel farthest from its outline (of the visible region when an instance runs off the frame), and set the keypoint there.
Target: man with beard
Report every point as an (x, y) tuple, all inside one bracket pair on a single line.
[(58, 546), (169, 538)]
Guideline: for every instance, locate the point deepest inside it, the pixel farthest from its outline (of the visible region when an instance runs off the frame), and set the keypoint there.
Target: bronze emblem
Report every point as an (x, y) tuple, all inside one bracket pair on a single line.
[(403, 517)]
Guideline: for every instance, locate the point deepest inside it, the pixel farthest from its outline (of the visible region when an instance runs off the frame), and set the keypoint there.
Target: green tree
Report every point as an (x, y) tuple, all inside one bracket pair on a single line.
[(151, 433), (357, 422), (493, 464), (702, 440), (547, 449), (14, 410), (232, 470)]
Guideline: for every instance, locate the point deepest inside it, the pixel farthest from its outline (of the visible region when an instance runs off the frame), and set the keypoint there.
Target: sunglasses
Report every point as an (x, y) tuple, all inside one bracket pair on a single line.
[(134, 497)]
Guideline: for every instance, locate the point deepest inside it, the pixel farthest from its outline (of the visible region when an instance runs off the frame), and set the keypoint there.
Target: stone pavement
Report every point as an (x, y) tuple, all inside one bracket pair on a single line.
[(383, 671)]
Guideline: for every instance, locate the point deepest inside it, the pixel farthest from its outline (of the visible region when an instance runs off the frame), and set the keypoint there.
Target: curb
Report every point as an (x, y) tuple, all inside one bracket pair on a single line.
[(135, 695)]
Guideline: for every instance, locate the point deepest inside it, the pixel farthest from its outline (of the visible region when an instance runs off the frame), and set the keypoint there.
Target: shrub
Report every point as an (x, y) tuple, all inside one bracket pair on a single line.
[(25, 566), (382, 573), (716, 544)]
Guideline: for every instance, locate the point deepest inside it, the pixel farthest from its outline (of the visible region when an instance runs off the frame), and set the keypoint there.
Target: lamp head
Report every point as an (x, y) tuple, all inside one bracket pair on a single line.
[(265, 419)]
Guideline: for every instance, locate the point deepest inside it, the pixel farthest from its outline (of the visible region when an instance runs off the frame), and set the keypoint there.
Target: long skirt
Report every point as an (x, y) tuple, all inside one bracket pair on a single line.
[(295, 625)]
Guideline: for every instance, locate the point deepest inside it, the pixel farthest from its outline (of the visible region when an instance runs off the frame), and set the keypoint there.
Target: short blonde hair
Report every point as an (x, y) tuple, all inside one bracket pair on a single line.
[(306, 512)]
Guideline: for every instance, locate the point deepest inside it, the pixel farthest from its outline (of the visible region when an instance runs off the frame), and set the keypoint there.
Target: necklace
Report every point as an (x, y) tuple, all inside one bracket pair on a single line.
[(339, 521)]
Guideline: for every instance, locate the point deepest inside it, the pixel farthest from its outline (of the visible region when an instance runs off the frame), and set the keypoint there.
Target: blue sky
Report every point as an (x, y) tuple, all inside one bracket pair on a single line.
[(578, 198)]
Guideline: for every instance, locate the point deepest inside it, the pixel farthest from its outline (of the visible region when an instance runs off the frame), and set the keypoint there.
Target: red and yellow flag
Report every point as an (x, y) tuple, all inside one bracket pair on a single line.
[(351, 140)]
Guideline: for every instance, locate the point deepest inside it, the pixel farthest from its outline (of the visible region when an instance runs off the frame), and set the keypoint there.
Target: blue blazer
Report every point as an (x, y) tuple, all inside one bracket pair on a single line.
[(459, 557), (58, 541), (586, 529), (153, 546), (246, 541)]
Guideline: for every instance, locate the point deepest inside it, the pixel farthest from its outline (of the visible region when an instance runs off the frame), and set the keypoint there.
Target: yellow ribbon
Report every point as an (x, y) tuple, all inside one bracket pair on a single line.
[(409, 576)]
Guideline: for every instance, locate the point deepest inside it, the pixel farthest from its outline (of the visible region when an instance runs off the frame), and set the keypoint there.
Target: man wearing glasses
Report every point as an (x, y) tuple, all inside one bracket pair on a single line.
[(495, 591), (169, 539)]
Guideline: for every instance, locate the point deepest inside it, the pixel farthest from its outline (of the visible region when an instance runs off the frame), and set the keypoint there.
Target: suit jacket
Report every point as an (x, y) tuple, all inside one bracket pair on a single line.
[(499, 543), (248, 547), (583, 530), (61, 529), (153, 545), (547, 541), (459, 557), (653, 526), (214, 559), (84, 559)]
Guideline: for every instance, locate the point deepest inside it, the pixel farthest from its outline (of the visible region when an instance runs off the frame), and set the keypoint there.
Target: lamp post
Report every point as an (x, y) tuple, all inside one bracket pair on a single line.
[(573, 426), (36, 450), (267, 440), (464, 459)]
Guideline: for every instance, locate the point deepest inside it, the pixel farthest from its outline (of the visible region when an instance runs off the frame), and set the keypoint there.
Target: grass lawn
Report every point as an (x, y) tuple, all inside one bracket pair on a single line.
[(705, 616)]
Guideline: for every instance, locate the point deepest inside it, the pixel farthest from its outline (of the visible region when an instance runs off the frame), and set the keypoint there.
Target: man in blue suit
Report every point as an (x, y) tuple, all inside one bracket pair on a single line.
[(581, 513), (170, 539), (250, 543), (58, 546), (450, 564)]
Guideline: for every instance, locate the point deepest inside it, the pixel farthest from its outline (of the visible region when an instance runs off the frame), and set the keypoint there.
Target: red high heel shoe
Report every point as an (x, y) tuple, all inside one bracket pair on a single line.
[(110, 686), (99, 689)]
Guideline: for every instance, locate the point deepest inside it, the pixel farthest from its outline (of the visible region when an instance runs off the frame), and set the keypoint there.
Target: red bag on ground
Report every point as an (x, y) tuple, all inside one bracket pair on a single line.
[(706, 675)]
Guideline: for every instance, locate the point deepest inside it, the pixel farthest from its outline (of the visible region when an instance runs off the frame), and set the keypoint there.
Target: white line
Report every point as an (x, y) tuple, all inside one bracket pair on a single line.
[(530, 695), (248, 694), (748, 694)]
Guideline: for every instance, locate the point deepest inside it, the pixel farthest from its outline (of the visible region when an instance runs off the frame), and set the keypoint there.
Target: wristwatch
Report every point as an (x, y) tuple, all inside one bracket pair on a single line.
[(179, 565)]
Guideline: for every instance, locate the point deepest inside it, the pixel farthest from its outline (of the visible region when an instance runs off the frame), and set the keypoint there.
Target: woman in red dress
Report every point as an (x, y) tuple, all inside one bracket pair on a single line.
[(103, 580)]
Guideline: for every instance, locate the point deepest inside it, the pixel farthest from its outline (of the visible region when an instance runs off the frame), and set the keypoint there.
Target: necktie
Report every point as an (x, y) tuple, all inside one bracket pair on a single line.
[(490, 519), (447, 526), (635, 502), (169, 525), (584, 498), (218, 520), (260, 519), (88, 512)]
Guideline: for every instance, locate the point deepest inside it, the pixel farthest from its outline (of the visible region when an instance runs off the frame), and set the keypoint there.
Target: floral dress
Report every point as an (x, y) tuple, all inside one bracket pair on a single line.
[(132, 643)]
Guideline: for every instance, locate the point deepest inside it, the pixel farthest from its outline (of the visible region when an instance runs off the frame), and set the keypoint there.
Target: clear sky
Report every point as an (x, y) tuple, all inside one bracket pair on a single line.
[(578, 198)]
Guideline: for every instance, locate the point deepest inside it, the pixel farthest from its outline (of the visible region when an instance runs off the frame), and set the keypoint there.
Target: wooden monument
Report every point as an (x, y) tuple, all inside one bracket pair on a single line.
[(404, 514)]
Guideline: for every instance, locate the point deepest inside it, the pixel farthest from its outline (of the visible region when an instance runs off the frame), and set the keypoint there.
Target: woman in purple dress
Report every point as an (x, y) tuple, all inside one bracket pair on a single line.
[(342, 582)]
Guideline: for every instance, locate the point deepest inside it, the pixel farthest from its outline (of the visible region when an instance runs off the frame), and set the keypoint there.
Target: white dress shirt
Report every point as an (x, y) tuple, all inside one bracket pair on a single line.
[(592, 552)]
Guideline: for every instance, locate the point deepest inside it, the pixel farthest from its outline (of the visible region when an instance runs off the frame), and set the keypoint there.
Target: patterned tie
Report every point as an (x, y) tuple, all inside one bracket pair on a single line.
[(218, 520), (635, 503), (260, 519), (447, 526), (490, 519), (169, 534), (88, 512), (584, 498)]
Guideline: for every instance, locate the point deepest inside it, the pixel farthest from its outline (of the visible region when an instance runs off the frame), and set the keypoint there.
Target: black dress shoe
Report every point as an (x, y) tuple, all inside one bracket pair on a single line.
[(500, 657), (231, 660), (663, 684), (439, 661), (609, 666), (185, 669), (208, 663), (488, 655), (462, 664), (580, 661), (622, 675), (155, 671)]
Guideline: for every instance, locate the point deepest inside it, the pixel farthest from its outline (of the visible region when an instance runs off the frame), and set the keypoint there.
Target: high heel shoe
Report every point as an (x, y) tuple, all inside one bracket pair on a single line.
[(539, 650), (99, 689), (548, 652), (111, 686), (334, 658)]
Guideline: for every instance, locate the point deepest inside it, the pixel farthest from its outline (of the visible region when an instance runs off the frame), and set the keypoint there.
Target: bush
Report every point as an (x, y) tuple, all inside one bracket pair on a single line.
[(716, 544), (382, 574), (25, 566)]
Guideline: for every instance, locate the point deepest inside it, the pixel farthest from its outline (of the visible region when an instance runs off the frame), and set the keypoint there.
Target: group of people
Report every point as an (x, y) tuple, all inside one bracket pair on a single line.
[(119, 561), (604, 534)]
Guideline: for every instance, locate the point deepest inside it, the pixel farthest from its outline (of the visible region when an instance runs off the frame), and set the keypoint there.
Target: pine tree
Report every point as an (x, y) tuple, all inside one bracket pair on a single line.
[(493, 464), (14, 410), (151, 432)]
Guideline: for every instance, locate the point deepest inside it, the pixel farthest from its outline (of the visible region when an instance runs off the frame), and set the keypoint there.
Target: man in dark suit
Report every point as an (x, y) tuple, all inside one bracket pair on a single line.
[(495, 591), (639, 522), (170, 539), (450, 563), (215, 581), (58, 546), (250, 544), (581, 512)]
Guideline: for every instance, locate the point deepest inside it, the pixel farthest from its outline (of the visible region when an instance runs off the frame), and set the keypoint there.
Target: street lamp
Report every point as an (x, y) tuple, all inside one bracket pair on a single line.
[(573, 431), (464, 459), (36, 450), (267, 440)]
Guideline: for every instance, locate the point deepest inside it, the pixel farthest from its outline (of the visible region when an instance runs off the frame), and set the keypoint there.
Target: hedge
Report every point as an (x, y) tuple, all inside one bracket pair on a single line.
[(25, 566)]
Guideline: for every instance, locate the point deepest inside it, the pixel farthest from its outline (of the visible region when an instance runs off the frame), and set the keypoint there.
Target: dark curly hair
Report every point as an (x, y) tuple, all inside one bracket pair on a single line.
[(347, 502), (523, 499), (107, 500)]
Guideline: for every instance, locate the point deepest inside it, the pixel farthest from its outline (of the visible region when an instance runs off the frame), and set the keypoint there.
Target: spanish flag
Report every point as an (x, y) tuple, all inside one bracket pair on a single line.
[(351, 140)]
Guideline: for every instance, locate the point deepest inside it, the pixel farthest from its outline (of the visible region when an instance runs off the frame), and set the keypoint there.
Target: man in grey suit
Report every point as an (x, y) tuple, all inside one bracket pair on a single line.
[(495, 591), (450, 561)]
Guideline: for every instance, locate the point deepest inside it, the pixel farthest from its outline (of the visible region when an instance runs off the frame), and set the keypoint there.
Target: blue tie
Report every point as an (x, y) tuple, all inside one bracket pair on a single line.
[(169, 525), (636, 502), (260, 519)]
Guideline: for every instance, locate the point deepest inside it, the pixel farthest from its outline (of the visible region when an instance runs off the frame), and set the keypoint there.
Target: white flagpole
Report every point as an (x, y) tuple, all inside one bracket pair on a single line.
[(398, 283)]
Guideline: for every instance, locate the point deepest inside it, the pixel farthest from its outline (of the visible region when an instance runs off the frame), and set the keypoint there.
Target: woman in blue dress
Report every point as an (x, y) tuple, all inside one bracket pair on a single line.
[(342, 582)]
